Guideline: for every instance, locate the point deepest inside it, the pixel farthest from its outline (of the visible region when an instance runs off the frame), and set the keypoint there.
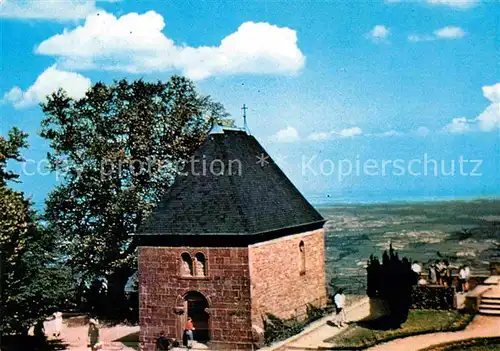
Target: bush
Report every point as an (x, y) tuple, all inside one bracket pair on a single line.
[(433, 297), (276, 329), (314, 313)]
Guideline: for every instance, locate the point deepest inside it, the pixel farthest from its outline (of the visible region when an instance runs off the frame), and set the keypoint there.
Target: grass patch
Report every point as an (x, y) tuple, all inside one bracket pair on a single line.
[(366, 334), (478, 344)]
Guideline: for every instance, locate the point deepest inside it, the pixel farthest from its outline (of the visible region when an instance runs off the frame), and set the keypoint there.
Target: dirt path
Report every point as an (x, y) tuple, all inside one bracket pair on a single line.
[(481, 326), (76, 337)]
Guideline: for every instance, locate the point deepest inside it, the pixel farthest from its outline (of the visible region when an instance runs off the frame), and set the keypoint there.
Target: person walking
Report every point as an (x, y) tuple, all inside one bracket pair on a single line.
[(93, 335), (58, 321), (339, 300), (188, 332)]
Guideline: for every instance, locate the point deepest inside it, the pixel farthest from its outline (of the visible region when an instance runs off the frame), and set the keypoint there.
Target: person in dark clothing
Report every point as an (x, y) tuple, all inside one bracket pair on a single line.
[(93, 335), (162, 343)]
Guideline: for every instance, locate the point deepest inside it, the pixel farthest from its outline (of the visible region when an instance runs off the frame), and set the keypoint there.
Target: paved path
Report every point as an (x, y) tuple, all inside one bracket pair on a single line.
[(312, 337), (481, 326), (76, 337)]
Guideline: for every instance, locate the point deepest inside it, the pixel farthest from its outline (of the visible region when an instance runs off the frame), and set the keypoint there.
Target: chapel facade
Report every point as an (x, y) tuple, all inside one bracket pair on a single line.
[(231, 241)]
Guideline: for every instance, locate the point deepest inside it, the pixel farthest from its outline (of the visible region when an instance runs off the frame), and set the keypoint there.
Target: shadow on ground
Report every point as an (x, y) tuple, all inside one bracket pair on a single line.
[(130, 340), (16, 343)]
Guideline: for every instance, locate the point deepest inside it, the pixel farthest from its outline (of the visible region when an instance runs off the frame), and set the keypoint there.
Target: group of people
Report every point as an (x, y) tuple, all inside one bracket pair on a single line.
[(93, 342), (163, 343), (440, 273)]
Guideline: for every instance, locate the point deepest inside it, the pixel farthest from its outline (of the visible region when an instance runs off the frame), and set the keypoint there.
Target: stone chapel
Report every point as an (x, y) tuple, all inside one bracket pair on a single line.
[(231, 240)]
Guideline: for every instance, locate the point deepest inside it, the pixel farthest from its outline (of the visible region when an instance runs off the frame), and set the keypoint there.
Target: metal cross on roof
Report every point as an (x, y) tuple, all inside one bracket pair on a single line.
[(245, 126)]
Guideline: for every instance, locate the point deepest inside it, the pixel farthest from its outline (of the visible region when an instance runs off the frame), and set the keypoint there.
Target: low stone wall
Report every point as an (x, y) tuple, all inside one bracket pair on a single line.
[(495, 268)]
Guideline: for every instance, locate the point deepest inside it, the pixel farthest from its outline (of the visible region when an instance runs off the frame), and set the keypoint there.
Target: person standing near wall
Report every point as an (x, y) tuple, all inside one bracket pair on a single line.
[(339, 299), (188, 332)]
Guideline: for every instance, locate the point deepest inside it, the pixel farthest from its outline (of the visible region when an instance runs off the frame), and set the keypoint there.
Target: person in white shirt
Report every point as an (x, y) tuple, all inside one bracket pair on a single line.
[(58, 317), (339, 300), (464, 275), (416, 267)]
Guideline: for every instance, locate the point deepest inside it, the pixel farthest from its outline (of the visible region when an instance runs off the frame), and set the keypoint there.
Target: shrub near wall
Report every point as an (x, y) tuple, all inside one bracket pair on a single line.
[(433, 297)]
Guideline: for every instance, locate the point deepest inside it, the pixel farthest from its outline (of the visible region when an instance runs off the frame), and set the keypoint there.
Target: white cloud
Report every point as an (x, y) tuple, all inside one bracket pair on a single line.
[(388, 133), (415, 38), (450, 33), (378, 34), (318, 136), (350, 132), (135, 43), (492, 92), (458, 125), (287, 135), (445, 33), (48, 9), (459, 4), (344, 133), (49, 81), (487, 121), (422, 131)]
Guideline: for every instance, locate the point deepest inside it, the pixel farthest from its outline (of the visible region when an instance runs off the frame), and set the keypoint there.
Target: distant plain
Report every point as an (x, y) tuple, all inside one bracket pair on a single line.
[(460, 231)]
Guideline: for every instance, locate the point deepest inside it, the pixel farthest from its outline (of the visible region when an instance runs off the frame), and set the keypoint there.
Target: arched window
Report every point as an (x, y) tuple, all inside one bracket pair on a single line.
[(302, 253), (186, 265), (200, 265)]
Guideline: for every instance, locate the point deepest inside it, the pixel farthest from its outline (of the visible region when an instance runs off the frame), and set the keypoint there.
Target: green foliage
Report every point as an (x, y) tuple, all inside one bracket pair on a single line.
[(31, 284), (363, 335), (10, 150), (477, 344), (314, 313), (392, 280), (276, 329), (117, 149), (433, 297)]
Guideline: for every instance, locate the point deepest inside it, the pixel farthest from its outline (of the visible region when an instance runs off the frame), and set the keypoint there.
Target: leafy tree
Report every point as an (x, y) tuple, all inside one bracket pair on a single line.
[(30, 283), (118, 149)]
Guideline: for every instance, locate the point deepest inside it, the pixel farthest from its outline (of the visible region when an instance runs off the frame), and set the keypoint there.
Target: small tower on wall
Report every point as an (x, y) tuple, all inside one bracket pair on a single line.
[(231, 240)]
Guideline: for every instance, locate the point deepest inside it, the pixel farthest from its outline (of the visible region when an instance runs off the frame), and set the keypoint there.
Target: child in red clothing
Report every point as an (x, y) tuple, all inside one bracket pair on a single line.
[(188, 332)]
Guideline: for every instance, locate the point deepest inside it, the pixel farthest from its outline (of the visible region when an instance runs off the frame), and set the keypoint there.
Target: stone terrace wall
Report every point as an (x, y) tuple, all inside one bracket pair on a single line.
[(227, 287), (277, 285)]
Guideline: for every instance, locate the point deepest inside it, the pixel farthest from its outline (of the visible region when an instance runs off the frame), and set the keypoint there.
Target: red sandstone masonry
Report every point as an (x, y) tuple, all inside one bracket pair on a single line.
[(226, 287), (276, 283), (242, 284)]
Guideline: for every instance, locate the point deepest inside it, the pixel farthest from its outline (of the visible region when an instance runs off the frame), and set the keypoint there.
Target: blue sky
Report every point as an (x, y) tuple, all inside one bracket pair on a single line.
[(378, 80)]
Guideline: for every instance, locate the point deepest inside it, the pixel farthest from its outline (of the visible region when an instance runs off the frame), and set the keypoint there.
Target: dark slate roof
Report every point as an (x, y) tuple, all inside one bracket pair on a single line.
[(254, 199)]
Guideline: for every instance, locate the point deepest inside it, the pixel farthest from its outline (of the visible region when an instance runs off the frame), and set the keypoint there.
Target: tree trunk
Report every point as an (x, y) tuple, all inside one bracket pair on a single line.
[(117, 301)]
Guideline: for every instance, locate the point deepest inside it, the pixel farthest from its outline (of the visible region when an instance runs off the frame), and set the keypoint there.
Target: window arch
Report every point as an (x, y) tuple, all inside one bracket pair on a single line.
[(200, 265), (186, 265), (302, 253)]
